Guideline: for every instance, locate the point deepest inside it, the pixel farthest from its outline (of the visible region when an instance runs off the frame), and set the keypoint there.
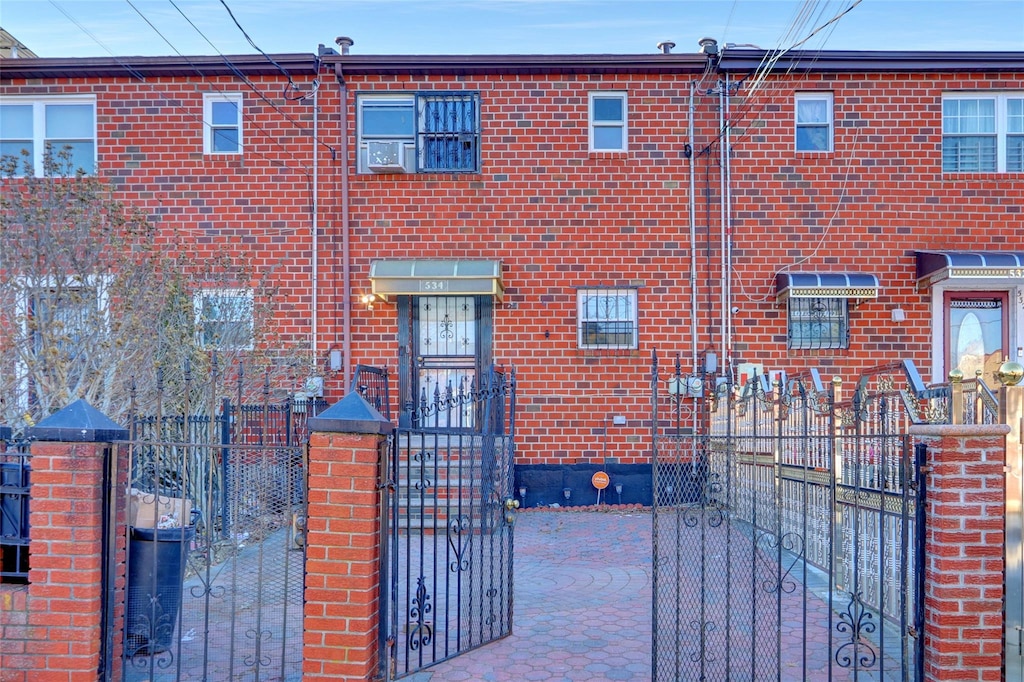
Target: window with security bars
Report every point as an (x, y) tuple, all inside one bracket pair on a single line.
[(818, 323), (607, 319), (436, 132), (449, 132), (983, 134)]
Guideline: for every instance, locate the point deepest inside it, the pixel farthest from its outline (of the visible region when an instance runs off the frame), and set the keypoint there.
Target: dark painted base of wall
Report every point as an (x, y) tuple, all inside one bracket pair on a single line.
[(545, 484)]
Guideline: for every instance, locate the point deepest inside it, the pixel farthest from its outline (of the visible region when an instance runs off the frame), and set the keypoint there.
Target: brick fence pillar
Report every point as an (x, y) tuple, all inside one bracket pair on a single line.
[(964, 550), (61, 635), (343, 536)]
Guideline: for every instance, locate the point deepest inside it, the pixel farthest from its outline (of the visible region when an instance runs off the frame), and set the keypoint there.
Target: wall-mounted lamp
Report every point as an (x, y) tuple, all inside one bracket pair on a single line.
[(368, 300)]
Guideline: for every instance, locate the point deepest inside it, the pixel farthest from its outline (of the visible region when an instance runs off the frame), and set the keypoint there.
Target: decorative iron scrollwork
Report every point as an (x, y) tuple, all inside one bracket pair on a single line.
[(857, 621), (770, 544), (458, 542), (422, 633), (258, 657)]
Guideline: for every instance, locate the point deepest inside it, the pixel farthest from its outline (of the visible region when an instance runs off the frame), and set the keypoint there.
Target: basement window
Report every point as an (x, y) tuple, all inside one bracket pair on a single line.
[(818, 323), (607, 319)]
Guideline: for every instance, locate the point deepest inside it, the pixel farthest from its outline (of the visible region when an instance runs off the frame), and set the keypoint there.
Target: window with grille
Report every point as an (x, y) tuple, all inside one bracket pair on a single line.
[(983, 134), (818, 323), (64, 128), (814, 122), (607, 319), (434, 132)]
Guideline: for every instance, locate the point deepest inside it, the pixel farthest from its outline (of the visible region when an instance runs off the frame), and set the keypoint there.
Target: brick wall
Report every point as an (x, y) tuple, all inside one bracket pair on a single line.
[(964, 551), (560, 217), (50, 629)]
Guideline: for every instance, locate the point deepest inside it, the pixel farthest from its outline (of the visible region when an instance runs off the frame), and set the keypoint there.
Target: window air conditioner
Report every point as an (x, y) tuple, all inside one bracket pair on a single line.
[(386, 157)]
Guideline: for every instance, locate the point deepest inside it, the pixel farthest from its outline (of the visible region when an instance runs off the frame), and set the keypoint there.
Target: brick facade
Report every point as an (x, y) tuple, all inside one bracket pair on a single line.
[(560, 217)]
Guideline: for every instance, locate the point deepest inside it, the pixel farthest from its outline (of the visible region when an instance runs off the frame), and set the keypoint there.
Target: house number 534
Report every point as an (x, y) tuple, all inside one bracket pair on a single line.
[(433, 285)]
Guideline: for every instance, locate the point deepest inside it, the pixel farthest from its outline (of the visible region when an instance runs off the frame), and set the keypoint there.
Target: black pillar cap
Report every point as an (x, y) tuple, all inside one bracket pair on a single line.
[(351, 414), (79, 422)]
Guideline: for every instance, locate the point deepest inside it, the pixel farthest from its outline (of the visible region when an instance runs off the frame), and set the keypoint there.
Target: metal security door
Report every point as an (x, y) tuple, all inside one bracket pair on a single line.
[(448, 584)]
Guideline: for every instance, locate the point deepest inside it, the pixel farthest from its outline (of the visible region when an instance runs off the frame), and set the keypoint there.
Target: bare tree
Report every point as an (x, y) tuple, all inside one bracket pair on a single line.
[(93, 301)]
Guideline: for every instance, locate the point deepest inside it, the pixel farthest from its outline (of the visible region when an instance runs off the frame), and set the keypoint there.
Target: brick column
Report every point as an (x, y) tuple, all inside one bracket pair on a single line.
[(60, 634), (343, 551), (964, 550)]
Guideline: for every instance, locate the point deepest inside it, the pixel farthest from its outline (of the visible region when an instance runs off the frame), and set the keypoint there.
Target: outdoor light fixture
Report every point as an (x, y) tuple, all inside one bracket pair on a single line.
[(566, 493), (522, 493), (368, 300)]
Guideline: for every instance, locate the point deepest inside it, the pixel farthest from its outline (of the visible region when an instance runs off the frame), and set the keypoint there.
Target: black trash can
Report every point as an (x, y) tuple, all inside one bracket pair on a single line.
[(156, 571)]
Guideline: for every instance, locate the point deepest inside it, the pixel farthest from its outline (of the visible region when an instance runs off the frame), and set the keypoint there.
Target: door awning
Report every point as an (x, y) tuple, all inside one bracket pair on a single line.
[(935, 266), (436, 278), (825, 285)]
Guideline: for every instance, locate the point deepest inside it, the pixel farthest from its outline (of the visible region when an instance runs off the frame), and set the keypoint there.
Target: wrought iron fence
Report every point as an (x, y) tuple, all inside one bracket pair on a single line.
[(801, 514), (372, 383), (447, 587), (215, 559), (15, 479)]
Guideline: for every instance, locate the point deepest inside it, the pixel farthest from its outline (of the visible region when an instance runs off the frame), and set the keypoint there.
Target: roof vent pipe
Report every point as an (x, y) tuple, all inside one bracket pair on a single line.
[(666, 46), (344, 42), (708, 46)]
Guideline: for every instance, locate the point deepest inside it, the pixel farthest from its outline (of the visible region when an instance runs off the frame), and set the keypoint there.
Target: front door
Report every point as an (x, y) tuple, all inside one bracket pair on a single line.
[(445, 345), (977, 333)]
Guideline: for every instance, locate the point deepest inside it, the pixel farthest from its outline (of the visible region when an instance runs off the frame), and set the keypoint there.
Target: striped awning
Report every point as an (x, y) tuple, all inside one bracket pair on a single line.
[(825, 285), (935, 266), (436, 278)]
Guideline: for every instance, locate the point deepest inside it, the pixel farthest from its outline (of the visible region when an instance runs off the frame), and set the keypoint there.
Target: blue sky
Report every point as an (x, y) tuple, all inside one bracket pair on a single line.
[(87, 28)]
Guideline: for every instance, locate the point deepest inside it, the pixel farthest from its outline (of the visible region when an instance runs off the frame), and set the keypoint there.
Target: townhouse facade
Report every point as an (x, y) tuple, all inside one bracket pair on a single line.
[(570, 217)]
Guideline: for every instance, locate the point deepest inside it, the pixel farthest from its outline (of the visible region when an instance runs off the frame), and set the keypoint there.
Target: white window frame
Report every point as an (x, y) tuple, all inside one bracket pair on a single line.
[(582, 319), (408, 141), (39, 139), (29, 287), (210, 129), (828, 123), (201, 322), (1001, 133), (594, 123)]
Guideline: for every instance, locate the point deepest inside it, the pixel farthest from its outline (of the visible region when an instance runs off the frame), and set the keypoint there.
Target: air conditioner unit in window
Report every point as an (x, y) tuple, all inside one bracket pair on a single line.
[(386, 157)]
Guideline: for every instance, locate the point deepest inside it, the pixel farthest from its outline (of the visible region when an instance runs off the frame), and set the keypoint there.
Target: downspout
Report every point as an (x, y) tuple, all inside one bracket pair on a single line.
[(723, 97), (693, 230), (315, 257), (346, 247), (727, 172)]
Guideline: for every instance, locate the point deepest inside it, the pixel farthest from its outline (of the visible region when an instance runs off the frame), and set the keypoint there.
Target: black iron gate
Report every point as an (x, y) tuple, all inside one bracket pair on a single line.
[(787, 534), (448, 584), (215, 548)]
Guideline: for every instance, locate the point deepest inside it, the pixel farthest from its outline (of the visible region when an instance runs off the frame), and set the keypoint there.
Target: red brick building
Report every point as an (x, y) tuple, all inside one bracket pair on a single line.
[(569, 216)]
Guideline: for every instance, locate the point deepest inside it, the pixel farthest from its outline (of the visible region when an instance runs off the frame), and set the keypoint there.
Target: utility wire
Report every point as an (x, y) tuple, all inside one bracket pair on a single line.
[(252, 86), (291, 84)]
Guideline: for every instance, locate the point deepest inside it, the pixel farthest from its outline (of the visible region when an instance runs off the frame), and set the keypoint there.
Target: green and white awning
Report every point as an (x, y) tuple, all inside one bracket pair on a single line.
[(436, 278)]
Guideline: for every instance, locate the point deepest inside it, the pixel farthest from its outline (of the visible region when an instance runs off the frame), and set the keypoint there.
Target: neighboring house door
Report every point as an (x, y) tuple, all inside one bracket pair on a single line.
[(445, 344), (977, 332)]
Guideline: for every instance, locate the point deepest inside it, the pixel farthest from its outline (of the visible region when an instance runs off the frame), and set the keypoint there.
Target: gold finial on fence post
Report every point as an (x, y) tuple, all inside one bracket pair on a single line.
[(956, 386)]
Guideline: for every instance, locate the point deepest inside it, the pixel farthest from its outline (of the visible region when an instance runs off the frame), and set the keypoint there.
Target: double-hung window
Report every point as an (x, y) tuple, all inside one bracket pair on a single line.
[(607, 319), (983, 133), (224, 319), (56, 135), (222, 123), (608, 121), (430, 132), (814, 122), (819, 323)]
